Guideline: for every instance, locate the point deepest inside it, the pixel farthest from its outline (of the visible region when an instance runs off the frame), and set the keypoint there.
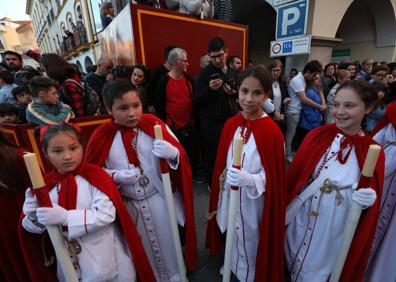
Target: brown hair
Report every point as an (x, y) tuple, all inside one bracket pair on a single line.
[(261, 74), (341, 74), (57, 68), (115, 90), (366, 91), (12, 169), (53, 130)]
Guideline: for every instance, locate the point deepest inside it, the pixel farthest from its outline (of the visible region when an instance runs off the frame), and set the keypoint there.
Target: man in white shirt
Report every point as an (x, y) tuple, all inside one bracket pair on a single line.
[(297, 96)]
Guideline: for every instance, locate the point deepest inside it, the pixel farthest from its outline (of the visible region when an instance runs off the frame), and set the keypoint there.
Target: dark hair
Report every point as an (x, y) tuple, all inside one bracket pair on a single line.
[(115, 90), (345, 65), (380, 86), (91, 69), (167, 49), (9, 52), (146, 71), (327, 66), (123, 72), (7, 76), (366, 91), (294, 70), (19, 90), (40, 83), (4, 65), (57, 68), (7, 109), (53, 130), (261, 74), (231, 59), (216, 44), (25, 74), (13, 170), (378, 68), (313, 66)]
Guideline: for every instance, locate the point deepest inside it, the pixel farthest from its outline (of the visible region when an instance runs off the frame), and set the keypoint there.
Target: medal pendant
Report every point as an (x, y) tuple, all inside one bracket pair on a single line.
[(144, 181)]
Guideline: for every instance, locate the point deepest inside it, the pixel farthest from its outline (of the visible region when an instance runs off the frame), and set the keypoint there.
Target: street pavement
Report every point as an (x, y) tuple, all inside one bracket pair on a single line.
[(208, 267)]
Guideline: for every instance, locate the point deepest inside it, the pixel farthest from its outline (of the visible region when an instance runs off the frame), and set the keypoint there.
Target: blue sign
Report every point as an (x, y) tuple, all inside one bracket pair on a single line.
[(287, 46), (292, 19)]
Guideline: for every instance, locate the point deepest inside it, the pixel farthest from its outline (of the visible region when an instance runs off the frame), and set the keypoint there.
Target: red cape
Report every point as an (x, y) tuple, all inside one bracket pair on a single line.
[(12, 265), (98, 149), (98, 178), (270, 145), (304, 163), (389, 117)]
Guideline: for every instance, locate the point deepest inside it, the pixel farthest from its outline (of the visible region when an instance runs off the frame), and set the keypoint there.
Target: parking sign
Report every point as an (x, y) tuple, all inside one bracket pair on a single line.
[(291, 19)]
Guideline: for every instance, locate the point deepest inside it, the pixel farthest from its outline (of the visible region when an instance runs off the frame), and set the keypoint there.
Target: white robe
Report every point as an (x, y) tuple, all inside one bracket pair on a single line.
[(313, 242), (249, 211), (104, 256), (382, 266), (147, 206)]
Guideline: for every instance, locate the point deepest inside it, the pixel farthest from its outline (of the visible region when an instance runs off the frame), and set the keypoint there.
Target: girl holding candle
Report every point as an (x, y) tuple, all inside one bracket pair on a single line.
[(322, 181), (258, 243), (127, 149), (86, 204), (381, 267)]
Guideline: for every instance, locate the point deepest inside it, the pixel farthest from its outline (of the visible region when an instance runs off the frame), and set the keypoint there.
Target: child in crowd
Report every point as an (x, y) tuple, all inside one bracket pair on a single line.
[(46, 108), (23, 97), (381, 266), (128, 150), (86, 204), (322, 185), (13, 183), (258, 244), (8, 114)]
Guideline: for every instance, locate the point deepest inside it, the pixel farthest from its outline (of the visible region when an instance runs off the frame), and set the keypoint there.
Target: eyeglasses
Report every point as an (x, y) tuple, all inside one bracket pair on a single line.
[(184, 61), (219, 56)]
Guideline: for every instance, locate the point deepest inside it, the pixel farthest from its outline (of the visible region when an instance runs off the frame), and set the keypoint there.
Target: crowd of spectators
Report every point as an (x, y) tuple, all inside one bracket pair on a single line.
[(195, 108)]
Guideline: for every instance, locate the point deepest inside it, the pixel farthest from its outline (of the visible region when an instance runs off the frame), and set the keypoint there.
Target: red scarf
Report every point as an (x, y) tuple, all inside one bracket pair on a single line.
[(68, 199), (269, 142), (389, 117), (98, 149), (307, 157)]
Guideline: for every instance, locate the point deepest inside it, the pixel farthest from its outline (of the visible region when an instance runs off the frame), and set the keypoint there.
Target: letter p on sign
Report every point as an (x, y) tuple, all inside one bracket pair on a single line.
[(290, 17)]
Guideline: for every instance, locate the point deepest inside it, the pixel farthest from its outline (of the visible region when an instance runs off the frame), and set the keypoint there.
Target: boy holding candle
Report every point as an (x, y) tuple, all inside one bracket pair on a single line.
[(126, 148)]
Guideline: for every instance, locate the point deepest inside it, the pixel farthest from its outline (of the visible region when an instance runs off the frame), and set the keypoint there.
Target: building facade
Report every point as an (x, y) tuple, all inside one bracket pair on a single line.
[(69, 28), (340, 29)]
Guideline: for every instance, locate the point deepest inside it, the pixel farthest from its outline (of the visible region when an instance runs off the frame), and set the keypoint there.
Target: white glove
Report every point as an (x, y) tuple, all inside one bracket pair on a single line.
[(365, 197), (51, 216), (30, 205), (239, 177), (127, 176), (165, 150)]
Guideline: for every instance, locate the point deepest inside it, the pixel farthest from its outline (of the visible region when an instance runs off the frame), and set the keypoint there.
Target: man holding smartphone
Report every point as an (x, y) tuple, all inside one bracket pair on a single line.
[(215, 101)]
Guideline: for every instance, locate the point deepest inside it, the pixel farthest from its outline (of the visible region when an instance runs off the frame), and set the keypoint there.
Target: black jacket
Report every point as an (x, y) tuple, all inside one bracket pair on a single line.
[(213, 105)]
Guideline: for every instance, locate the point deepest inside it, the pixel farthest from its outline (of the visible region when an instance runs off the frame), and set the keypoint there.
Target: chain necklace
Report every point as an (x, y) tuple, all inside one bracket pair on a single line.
[(143, 179)]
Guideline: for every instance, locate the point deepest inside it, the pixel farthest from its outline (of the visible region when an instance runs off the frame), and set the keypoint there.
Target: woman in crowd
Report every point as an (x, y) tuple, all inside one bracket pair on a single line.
[(310, 117), (140, 78), (279, 91)]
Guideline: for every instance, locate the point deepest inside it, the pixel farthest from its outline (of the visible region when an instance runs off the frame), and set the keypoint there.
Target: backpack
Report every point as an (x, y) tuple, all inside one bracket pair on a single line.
[(91, 100)]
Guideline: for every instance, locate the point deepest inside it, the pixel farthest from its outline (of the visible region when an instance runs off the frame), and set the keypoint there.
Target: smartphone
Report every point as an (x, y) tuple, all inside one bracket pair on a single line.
[(215, 76)]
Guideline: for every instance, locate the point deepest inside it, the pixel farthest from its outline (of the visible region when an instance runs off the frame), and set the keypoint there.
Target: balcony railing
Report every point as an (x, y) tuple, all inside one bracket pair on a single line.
[(75, 43)]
